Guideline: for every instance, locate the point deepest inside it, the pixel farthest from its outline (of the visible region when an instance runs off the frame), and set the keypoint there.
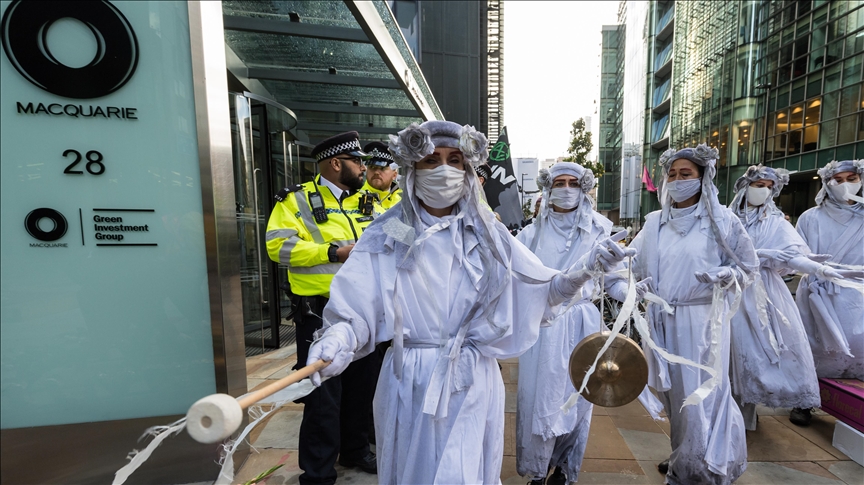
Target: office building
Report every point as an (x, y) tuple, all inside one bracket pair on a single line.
[(135, 281), (763, 81), (609, 135)]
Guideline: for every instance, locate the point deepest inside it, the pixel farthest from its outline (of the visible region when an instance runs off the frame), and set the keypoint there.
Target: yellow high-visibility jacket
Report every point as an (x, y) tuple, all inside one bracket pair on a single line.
[(295, 239), (387, 198)]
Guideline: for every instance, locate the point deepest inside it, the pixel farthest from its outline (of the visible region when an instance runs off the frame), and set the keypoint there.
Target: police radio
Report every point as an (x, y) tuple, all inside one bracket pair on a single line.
[(316, 202), (367, 203)]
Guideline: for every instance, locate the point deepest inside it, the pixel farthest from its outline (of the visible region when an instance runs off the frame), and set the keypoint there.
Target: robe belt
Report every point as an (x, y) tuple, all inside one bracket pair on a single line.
[(424, 344), (444, 375), (693, 302)]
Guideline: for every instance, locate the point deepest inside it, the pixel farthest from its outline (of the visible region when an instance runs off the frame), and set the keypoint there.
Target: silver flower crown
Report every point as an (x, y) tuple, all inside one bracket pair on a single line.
[(414, 143)]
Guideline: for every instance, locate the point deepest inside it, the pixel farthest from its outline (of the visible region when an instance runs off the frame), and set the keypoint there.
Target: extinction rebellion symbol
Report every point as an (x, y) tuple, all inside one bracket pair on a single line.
[(24, 31)]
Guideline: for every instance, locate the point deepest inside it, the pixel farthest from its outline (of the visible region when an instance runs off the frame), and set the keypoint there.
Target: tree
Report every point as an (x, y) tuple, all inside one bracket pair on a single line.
[(580, 147), (528, 209)]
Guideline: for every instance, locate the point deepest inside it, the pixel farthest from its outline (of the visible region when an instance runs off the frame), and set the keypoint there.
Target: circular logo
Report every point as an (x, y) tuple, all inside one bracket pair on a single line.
[(31, 223), (499, 152), (24, 32)]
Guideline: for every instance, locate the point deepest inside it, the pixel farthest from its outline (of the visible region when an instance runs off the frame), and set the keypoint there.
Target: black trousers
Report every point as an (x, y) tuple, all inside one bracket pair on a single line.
[(336, 416)]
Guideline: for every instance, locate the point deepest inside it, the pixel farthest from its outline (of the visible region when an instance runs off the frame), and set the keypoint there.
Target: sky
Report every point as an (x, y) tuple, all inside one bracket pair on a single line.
[(551, 71)]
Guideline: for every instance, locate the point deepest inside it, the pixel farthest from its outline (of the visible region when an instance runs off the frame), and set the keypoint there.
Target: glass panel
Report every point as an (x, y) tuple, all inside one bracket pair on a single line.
[(794, 142), (782, 121), (847, 129), (799, 68), (832, 78), (786, 53), (835, 51), (802, 46), (320, 12), (796, 118), (828, 136), (811, 138), (860, 127), (852, 70), (814, 108), (849, 100), (301, 92), (306, 54), (814, 86), (829, 105)]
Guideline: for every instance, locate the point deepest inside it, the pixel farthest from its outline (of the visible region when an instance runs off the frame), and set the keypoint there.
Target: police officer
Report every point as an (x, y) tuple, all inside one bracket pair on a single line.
[(312, 230), (381, 175)]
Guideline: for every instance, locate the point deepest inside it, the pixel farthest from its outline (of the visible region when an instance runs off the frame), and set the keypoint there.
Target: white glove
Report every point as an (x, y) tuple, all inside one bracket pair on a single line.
[(819, 258), (609, 253), (850, 273), (721, 274), (334, 347), (643, 287), (776, 254)]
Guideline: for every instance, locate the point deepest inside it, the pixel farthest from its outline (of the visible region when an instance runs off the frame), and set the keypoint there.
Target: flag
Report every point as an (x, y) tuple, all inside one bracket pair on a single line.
[(502, 192), (646, 179)]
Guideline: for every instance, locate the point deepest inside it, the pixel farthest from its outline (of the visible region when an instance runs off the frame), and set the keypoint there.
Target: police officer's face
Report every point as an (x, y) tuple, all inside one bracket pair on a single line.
[(380, 177), (351, 171)]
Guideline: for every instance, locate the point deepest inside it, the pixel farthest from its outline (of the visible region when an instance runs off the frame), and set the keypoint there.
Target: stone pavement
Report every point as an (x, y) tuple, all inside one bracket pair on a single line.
[(624, 446)]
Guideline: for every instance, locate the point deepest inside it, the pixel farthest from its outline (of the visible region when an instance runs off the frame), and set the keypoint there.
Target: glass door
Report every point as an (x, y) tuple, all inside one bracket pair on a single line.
[(264, 151)]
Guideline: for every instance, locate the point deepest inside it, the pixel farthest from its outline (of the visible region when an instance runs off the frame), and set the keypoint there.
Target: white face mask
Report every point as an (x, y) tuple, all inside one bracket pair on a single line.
[(757, 195), (681, 190), (440, 187), (840, 191), (565, 197)]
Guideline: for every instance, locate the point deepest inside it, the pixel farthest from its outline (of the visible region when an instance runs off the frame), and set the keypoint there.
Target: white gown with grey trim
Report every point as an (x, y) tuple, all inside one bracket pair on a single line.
[(759, 375), (462, 441), (545, 435), (708, 439), (833, 316)]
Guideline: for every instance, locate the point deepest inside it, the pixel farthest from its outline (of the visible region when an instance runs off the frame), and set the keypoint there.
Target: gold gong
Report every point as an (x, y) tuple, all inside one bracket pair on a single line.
[(621, 372)]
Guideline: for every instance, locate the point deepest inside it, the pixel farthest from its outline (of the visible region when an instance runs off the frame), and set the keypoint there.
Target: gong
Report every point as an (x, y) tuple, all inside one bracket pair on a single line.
[(621, 373)]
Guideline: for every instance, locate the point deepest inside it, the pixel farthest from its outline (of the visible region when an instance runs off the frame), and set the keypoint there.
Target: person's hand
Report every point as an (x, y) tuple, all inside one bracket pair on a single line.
[(819, 258), (343, 252), (850, 273), (643, 287), (609, 253), (722, 274), (776, 254), (332, 347)]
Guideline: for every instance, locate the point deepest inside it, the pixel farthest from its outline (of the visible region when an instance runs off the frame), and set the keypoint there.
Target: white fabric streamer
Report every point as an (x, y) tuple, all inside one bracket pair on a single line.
[(137, 458), (226, 474)]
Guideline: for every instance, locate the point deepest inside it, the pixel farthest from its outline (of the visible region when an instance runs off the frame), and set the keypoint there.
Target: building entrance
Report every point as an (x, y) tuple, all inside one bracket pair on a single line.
[(266, 156)]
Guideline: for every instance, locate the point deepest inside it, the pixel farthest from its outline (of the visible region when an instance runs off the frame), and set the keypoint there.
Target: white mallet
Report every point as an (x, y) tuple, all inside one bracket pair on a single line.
[(217, 416)]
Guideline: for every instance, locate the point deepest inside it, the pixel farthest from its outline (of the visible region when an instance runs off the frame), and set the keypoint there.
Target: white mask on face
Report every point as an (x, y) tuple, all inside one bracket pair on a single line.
[(681, 190), (440, 187), (757, 195), (565, 197), (841, 190)]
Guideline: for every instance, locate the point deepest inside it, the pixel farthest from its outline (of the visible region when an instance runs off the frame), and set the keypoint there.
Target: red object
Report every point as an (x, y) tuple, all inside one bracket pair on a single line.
[(844, 399), (646, 179)]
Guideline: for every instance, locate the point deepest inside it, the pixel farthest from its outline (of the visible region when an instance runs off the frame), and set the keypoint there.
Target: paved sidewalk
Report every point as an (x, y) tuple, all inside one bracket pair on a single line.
[(624, 446)]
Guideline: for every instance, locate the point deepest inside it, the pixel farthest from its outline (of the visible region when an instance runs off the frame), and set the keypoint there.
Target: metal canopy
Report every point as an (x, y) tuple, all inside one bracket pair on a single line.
[(337, 68)]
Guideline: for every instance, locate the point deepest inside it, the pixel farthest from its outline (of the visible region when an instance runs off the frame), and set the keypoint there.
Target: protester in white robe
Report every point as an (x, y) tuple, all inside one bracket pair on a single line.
[(833, 312), (771, 359), (447, 283), (566, 229), (693, 249)]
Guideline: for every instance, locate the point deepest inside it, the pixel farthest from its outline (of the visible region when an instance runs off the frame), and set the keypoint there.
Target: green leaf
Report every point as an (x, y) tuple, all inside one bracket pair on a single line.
[(264, 475)]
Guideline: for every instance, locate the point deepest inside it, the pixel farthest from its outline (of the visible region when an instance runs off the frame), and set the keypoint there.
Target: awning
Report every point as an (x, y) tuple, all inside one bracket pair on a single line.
[(338, 66)]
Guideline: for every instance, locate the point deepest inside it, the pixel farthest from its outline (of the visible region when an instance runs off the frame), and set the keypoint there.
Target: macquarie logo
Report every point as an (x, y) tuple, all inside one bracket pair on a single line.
[(46, 236), (24, 31)]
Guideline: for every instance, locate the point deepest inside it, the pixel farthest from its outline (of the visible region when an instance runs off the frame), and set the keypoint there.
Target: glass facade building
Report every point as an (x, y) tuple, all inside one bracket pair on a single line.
[(609, 136), (763, 81)]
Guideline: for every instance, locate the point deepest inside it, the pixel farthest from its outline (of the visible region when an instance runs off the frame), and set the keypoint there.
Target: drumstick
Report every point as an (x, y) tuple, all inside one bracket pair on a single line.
[(217, 416)]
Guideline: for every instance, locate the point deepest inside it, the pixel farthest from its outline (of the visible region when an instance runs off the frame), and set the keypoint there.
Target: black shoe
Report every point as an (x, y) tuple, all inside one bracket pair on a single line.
[(368, 463), (663, 467), (557, 477), (800, 417)]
